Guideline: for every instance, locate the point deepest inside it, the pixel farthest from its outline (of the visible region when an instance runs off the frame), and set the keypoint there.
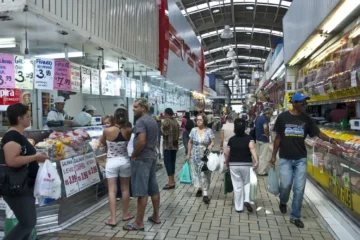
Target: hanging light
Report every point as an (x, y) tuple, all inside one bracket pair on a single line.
[(233, 64), (235, 72), (146, 87), (227, 33), (236, 79), (231, 53)]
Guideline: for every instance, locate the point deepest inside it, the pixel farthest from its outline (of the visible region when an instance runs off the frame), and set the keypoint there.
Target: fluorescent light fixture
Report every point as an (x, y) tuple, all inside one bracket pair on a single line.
[(355, 33), (235, 72), (233, 64), (227, 33), (244, 46), (13, 45), (243, 29), (282, 75), (248, 33), (231, 53), (7, 43), (234, 58), (60, 55), (308, 48), (133, 86), (340, 14), (277, 73), (216, 10), (249, 8)]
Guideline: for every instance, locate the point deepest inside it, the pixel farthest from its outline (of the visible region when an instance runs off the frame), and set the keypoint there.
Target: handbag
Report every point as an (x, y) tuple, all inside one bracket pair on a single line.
[(13, 181)]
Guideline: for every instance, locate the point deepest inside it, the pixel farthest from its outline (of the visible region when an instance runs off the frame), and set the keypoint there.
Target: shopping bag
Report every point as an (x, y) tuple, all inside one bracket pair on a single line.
[(228, 187), (213, 162), (11, 221), (221, 163), (82, 119), (185, 177), (48, 183), (253, 185), (273, 182)]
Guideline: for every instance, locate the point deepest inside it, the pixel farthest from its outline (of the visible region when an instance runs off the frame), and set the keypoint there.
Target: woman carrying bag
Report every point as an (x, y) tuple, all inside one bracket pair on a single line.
[(239, 157)]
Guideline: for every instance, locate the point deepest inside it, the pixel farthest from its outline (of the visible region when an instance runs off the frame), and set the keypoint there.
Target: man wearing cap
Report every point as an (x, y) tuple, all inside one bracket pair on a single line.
[(57, 117), (292, 127)]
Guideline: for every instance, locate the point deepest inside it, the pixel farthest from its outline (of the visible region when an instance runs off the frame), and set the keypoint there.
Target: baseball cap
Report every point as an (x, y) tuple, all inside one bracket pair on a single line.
[(59, 100), (90, 108), (298, 97)]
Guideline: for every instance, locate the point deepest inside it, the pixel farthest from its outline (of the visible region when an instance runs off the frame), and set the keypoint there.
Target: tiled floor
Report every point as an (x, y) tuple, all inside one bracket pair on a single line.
[(186, 217)]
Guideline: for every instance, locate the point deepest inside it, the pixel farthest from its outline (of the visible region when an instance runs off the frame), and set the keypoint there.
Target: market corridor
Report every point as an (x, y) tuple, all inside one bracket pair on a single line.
[(184, 216)]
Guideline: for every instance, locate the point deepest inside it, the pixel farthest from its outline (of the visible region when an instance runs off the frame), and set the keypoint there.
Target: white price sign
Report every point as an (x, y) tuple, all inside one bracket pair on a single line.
[(128, 87), (75, 77), (69, 176), (86, 80), (81, 172), (92, 169), (95, 82), (44, 74)]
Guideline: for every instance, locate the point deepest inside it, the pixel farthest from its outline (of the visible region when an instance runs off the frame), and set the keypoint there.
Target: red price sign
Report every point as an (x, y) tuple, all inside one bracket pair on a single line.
[(62, 75), (69, 176)]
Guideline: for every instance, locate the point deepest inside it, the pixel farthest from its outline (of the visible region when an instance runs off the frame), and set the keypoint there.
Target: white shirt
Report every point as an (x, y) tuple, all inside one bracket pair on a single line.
[(55, 116)]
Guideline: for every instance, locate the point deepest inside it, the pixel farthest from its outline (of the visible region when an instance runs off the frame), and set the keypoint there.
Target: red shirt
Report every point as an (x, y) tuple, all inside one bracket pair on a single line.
[(337, 114)]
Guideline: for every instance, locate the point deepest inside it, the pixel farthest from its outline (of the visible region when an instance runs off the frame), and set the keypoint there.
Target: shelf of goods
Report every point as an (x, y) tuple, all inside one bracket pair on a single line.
[(336, 169), (81, 171)]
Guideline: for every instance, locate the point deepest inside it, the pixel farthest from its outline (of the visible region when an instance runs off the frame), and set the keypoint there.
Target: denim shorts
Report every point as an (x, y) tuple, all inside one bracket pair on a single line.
[(143, 178)]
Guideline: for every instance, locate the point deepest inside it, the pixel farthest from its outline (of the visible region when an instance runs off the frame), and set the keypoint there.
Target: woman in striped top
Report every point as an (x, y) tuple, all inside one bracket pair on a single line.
[(240, 157)]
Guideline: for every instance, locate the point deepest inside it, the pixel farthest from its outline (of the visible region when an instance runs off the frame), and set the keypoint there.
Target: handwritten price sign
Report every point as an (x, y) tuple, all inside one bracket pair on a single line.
[(92, 169), (69, 176), (7, 71), (81, 172), (62, 76), (44, 74)]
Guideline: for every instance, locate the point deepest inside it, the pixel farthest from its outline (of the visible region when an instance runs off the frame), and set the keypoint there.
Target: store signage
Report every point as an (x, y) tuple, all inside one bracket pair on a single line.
[(69, 177), (353, 78), (133, 88), (117, 85), (340, 192), (10, 96), (95, 82), (62, 75), (75, 78), (24, 73), (7, 76), (128, 87), (138, 88), (107, 84), (81, 172), (86, 79), (92, 169), (44, 74)]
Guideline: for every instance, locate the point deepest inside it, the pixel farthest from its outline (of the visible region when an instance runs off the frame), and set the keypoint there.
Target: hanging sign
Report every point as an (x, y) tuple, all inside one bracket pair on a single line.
[(44, 74), (75, 77), (81, 172), (117, 85), (7, 73), (92, 168), (86, 80), (133, 89), (62, 75), (24, 72), (95, 82), (138, 88), (128, 87), (107, 84), (69, 177)]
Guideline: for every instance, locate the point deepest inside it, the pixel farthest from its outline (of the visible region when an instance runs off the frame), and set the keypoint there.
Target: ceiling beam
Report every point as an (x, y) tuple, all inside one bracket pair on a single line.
[(240, 22)]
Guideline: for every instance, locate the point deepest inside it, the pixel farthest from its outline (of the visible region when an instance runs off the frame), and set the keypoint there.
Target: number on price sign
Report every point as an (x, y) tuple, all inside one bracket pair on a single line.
[(92, 169), (62, 75), (81, 172), (7, 71)]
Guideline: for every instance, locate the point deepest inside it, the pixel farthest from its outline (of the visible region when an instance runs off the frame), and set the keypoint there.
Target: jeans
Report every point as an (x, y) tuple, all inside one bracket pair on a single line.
[(185, 139), (293, 174), (25, 212), (169, 161)]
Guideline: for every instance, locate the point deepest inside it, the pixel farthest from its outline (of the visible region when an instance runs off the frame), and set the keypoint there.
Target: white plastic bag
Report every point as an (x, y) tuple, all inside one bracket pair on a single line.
[(221, 162), (82, 119), (213, 162), (130, 146), (273, 182), (48, 182), (253, 185)]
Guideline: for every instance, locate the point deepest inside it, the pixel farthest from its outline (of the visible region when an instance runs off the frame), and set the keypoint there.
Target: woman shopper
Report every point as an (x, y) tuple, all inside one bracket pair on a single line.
[(227, 132), (17, 152), (185, 132), (201, 139), (241, 148), (116, 138)]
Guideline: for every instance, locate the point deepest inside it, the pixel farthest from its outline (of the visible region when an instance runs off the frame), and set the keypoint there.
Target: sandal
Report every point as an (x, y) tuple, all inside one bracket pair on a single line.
[(167, 187), (110, 224), (131, 227), (129, 217), (151, 219)]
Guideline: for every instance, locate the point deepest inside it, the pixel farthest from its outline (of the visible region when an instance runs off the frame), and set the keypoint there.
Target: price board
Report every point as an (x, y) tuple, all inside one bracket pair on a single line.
[(81, 172), (44, 74), (62, 75), (117, 85), (7, 71), (138, 88), (95, 82), (127, 87), (75, 77), (69, 177), (133, 89), (24, 72), (92, 168), (107, 85), (86, 80)]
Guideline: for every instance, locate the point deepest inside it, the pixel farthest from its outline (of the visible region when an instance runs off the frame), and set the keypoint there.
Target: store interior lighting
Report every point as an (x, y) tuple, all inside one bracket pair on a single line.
[(233, 64), (227, 33), (216, 10), (278, 72), (231, 53), (235, 72), (236, 78), (249, 8), (133, 86), (60, 55), (146, 87), (7, 43)]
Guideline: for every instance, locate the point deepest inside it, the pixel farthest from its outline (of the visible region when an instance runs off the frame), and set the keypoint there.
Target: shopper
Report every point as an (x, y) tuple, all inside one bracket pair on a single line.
[(227, 132), (241, 148), (201, 139), (262, 141), (185, 131), (57, 117), (17, 153), (170, 130), (291, 129), (116, 138), (339, 113), (143, 165)]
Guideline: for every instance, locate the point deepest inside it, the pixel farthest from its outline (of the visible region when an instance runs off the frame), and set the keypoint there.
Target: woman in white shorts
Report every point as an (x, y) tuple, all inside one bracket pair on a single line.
[(116, 139)]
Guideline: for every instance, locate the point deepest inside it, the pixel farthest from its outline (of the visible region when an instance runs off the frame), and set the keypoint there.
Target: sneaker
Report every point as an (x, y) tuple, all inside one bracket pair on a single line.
[(283, 208), (248, 207), (297, 223), (206, 199), (199, 193)]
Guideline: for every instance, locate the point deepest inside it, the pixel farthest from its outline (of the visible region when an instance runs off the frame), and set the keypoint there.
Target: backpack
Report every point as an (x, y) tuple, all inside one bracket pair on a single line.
[(189, 125)]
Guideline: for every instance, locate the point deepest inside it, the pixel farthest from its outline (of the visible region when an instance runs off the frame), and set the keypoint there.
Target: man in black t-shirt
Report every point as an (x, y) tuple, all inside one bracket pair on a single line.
[(292, 127)]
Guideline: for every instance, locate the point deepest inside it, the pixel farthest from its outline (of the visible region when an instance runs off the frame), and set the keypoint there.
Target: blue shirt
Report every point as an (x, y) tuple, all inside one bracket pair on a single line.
[(259, 128)]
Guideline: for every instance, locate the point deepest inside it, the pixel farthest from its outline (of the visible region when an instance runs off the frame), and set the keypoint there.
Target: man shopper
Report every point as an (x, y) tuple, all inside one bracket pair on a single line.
[(262, 141), (170, 130), (143, 165), (291, 129)]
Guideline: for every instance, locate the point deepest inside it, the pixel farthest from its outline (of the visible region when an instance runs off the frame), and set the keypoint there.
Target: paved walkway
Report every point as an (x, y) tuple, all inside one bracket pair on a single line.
[(186, 217)]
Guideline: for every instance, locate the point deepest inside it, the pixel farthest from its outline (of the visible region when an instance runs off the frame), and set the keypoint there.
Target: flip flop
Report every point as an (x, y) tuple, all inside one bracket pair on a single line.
[(111, 225), (131, 227), (129, 217), (168, 187), (151, 219)]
